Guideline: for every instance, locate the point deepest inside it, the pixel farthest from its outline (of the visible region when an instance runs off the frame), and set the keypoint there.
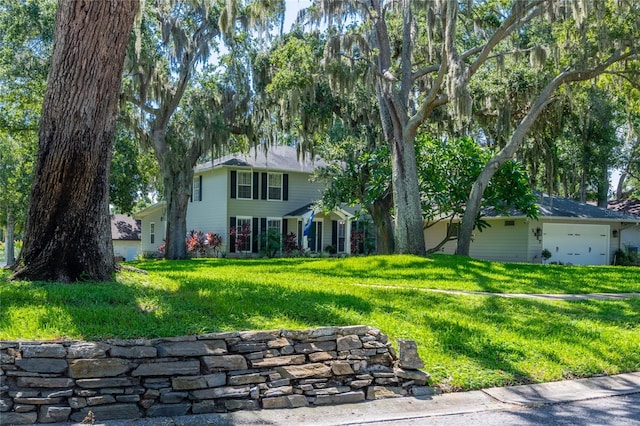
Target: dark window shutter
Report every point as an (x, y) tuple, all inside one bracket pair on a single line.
[(285, 225), (300, 232), (254, 231), (234, 183), (256, 178), (263, 224), (200, 195), (334, 233), (285, 187), (264, 186), (232, 240), (319, 236)]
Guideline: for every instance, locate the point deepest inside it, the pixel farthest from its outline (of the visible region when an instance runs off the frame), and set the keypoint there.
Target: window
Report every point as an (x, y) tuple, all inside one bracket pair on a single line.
[(196, 194), (245, 185), (274, 186), (274, 225), (342, 226), (271, 234), (152, 233), (243, 234)]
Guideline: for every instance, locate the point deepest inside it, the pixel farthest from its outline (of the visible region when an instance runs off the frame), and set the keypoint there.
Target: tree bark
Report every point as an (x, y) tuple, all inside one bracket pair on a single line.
[(67, 231), (177, 190), (409, 235), (620, 188), (9, 248), (383, 223)]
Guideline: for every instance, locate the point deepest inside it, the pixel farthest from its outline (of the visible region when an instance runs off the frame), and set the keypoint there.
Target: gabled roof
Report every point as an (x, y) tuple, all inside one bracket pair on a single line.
[(558, 207), (149, 210), (305, 212), (124, 227), (626, 206), (275, 158)]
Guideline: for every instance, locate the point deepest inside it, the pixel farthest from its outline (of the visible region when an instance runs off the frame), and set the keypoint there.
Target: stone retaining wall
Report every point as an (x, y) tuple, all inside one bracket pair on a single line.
[(48, 382)]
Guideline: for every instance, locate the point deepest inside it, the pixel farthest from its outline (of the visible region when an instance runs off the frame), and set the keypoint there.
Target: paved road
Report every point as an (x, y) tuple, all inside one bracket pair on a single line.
[(615, 411)]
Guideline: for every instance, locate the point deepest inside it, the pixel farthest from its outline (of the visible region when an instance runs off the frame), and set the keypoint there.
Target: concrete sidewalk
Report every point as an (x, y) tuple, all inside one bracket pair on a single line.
[(405, 408)]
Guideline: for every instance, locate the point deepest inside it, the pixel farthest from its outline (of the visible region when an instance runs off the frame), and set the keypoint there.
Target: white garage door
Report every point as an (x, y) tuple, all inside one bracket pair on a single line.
[(577, 244)]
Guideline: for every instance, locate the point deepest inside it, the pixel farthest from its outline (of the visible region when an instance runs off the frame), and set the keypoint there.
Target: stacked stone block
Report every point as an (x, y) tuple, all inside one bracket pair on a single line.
[(46, 382)]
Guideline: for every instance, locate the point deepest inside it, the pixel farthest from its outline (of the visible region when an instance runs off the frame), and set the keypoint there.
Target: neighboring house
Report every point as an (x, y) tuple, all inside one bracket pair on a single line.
[(573, 232), (125, 232), (629, 236), (262, 190)]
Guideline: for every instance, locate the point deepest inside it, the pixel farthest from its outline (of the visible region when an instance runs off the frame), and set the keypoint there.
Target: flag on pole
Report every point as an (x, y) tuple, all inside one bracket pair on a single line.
[(307, 227)]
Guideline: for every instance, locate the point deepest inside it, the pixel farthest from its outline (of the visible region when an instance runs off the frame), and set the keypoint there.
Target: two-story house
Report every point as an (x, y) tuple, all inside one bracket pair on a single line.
[(262, 190)]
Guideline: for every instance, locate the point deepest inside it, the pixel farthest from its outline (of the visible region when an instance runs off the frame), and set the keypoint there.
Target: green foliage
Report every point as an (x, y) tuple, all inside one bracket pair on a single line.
[(466, 341), (134, 172), (447, 170), (626, 257), (270, 243)]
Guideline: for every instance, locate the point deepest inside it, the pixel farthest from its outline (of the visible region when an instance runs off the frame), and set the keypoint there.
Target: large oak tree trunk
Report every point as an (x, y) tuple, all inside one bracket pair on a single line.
[(67, 232)]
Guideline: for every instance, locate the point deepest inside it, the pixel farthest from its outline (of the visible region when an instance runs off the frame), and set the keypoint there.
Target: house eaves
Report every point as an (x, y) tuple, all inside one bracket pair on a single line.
[(149, 210), (556, 208), (305, 212)]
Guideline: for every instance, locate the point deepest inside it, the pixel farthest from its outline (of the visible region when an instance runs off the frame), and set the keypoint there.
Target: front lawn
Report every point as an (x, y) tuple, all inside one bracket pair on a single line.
[(467, 342)]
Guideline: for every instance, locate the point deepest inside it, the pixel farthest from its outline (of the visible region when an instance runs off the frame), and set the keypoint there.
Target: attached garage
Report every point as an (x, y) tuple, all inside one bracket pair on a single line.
[(577, 244)]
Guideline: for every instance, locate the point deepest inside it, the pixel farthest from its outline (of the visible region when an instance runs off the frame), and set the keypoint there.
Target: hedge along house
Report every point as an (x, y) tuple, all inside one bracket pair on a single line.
[(573, 232), (265, 190)]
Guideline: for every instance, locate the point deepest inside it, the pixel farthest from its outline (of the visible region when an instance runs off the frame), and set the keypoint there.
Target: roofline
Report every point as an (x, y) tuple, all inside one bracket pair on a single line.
[(147, 211), (339, 211), (250, 167), (559, 218)]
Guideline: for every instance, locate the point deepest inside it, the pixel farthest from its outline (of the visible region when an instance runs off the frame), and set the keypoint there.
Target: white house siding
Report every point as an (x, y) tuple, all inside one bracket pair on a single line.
[(534, 246), (127, 249), (157, 217), (434, 234), (498, 242), (629, 237), (209, 215)]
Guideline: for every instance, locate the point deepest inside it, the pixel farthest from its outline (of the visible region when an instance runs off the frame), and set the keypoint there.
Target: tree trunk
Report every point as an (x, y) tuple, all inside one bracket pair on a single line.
[(67, 231), (603, 186), (383, 222), (177, 185), (9, 248), (620, 188), (409, 234), (583, 177)]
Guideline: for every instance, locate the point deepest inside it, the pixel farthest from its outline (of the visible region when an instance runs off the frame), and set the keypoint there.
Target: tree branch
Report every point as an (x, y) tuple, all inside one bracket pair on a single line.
[(508, 26)]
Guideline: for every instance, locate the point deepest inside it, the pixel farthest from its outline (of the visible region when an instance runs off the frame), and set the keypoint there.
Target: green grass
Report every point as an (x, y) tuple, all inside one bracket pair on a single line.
[(467, 342)]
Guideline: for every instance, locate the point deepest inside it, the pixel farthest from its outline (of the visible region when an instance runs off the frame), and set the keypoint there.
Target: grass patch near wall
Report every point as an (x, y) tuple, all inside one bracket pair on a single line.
[(466, 341)]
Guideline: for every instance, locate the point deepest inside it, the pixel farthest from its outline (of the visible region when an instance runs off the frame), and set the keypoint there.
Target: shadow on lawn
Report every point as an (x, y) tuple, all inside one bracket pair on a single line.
[(463, 273), (199, 306), (493, 341)]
